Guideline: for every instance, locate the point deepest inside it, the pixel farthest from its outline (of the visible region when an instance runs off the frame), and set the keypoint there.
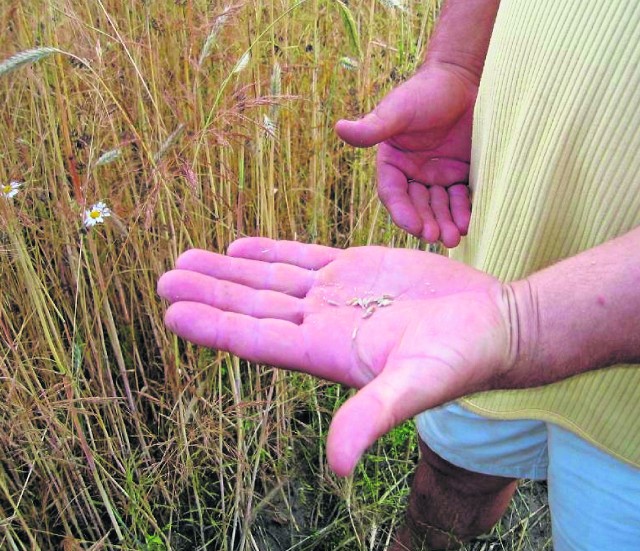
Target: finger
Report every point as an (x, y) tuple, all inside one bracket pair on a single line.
[(369, 130), (273, 276), (449, 234), (185, 285), (393, 191), (460, 206), (390, 117), (270, 341), (385, 402), (444, 171), (311, 257), (420, 196), (323, 350)]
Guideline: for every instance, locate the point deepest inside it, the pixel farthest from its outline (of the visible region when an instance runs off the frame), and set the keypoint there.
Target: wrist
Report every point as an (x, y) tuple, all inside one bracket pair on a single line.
[(463, 67), (575, 316), (522, 369)]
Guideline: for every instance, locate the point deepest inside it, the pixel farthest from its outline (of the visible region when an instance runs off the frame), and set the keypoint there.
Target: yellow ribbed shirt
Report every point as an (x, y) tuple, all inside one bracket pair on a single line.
[(555, 170)]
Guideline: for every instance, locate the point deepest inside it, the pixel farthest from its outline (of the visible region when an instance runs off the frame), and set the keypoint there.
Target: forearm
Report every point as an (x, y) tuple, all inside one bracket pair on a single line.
[(462, 35), (578, 315)]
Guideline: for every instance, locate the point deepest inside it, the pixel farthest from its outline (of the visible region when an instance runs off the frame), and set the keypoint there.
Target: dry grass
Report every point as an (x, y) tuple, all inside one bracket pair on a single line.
[(196, 122)]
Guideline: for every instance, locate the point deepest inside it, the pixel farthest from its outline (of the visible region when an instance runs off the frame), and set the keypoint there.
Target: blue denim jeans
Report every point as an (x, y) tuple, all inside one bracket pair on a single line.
[(593, 497)]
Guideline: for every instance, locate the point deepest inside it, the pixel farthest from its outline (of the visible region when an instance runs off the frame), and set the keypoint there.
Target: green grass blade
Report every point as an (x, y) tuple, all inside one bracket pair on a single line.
[(350, 27)]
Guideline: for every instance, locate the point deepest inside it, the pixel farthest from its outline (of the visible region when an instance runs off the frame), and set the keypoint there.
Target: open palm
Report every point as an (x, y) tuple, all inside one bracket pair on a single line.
[(425, 331), (423, 128)]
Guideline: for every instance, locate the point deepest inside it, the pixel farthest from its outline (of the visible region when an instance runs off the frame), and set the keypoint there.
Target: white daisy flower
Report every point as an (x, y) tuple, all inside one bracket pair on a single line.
[(11, 189), (96, 214)]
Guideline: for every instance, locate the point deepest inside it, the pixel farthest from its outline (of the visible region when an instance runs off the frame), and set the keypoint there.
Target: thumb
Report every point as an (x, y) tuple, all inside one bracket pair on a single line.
[(391, 117), (391, 398), (370, 129)]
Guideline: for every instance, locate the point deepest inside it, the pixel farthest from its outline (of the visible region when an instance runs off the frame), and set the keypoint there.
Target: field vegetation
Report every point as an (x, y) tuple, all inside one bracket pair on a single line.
[(193, 122)]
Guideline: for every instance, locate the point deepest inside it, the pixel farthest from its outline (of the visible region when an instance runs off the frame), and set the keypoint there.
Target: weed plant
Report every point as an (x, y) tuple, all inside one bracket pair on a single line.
[(194, 122)]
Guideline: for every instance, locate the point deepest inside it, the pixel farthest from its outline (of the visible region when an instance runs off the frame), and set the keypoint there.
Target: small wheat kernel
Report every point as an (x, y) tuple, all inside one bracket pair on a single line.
[(369, 312)]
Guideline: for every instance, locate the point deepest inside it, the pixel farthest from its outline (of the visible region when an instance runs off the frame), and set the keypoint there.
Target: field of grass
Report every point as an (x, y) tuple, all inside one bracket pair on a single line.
[(195, 122)]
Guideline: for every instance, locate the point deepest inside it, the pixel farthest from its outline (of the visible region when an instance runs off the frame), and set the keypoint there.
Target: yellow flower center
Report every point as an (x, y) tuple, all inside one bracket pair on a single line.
[(94, 214), (6, 189)]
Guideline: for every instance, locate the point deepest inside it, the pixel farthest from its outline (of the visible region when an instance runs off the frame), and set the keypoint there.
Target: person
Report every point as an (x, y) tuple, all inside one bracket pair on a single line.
[(518, 354)]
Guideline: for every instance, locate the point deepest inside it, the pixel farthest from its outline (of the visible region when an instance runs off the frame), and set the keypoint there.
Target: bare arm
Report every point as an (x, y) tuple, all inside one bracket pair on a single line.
[(461, 39), (578, 315)]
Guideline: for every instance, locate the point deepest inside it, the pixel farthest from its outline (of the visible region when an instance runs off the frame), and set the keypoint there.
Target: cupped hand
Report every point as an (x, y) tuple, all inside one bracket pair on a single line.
[(423, 128), (426, 329)]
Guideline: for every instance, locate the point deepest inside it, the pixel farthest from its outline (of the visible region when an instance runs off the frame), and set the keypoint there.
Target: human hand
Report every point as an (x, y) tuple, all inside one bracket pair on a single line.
[(423, 128), (445, 334)]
